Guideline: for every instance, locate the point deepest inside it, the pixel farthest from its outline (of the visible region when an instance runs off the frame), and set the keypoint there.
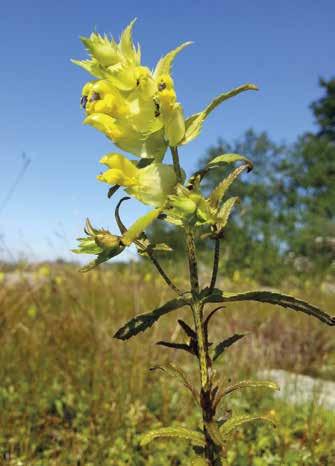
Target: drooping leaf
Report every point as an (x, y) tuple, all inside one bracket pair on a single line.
[(242, 385), (196, 438), (229, 158), (220, 348), (193, 124), (238, 421), (223, 159), (176, 371), (165, 63), (270, 297), (142, 322)]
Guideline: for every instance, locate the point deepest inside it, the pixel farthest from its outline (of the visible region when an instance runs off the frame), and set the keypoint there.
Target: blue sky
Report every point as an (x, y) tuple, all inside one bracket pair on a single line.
[(283, 47)]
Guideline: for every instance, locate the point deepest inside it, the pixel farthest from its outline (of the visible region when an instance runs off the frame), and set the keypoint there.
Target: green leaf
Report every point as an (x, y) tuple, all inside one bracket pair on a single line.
[(139, 226), (225, 211), (229, 158), (142, 322), (221, 189), (219, 349), (238, 421), (216, 162), (251, 384), (161, 247), (270, 297), (196, 438), (165, 63), (193, 124), (241, 385)]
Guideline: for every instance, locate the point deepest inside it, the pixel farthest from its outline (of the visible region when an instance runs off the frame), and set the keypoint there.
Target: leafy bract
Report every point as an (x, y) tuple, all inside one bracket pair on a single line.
[(218, 161), (221, 189), (165, 63), (270, 297), (225, 211), (142, 322), (139, 226), (194, 123), (196, 438)]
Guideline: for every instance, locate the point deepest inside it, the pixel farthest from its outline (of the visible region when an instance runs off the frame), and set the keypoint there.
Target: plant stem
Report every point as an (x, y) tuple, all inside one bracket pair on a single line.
[(162, 272), (192, 263), (176, 164), (215, 264), (205, 361)]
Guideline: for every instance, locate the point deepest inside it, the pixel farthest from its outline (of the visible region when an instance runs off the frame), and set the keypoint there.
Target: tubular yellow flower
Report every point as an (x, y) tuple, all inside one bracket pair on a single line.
[(106, 124), (102, 97), (150, 185)]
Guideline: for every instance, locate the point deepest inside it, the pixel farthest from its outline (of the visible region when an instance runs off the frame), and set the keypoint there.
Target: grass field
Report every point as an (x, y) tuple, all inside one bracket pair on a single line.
[(70, 394)]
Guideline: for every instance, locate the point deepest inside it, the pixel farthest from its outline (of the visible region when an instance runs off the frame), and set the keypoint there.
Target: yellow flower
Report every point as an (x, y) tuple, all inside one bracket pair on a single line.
[(144, 115), (150, 185)]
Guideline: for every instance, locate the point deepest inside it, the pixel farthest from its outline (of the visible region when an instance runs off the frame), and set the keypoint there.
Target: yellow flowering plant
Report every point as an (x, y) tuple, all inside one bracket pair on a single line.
[(138, 110)]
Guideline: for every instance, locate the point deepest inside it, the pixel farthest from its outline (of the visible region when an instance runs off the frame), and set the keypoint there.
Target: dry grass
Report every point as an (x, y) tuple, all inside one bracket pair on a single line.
[(67, 385)]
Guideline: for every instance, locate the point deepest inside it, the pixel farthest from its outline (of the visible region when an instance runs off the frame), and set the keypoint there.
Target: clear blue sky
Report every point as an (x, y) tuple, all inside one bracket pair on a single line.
[(282, 46)]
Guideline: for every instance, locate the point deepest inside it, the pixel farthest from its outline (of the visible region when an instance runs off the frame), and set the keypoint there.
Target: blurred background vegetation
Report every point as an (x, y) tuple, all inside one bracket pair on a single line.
[(72, 395)]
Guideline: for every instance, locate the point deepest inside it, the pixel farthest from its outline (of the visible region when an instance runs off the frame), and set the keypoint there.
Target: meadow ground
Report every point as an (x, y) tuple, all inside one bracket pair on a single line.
[(70, 394)]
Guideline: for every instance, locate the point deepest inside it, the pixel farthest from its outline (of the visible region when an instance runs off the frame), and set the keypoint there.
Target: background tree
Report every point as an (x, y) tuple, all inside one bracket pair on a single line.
[(310, 169), (287, 219)]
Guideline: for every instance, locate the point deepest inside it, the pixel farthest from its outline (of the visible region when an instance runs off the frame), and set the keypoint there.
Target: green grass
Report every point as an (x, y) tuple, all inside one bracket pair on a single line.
[(70, 394)]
